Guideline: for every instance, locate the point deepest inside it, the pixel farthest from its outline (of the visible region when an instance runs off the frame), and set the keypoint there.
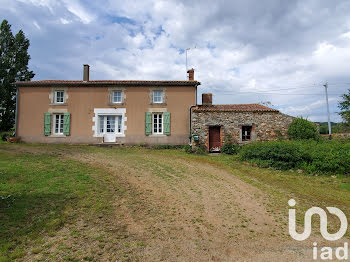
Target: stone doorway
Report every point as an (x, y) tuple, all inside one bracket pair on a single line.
[(214, 139)]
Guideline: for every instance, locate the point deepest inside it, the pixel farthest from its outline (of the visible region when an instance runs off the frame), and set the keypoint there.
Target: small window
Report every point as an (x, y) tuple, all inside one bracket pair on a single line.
[(59, 96), (58, 127), (246, 133), (158, 124), (110, 124), (157, 96), (117, 97)]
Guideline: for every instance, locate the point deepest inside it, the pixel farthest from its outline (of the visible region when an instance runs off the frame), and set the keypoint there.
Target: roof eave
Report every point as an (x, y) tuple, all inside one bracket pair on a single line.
[(89, 84)]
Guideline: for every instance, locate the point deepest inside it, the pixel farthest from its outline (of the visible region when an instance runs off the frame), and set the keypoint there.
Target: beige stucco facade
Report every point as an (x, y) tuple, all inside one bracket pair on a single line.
[(83, 103)]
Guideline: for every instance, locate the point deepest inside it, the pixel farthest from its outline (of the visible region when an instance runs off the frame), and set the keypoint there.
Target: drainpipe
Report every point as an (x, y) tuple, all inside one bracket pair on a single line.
[(190, 137), (16, 112)]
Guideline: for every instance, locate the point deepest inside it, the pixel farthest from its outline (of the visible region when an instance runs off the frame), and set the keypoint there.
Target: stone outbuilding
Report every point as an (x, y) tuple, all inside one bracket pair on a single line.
[(213, 125)]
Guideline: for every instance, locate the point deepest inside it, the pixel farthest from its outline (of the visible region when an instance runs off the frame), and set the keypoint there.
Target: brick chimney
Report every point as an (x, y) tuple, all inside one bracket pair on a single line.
[(207, 99), (86, 72), (190, 73)]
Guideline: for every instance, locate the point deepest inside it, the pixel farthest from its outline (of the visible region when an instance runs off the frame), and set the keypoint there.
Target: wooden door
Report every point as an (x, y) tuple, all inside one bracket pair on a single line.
[(214, 139)]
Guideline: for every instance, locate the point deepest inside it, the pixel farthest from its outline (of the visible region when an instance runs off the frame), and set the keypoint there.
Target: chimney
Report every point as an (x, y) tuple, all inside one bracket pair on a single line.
[(86, 73), (190, 73), (207, 99)]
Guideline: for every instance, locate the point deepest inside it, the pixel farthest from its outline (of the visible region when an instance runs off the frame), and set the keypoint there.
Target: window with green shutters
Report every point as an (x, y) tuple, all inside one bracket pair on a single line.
[(66, 123), (166, 123), (47, 124), (148, 123), (160, 123)]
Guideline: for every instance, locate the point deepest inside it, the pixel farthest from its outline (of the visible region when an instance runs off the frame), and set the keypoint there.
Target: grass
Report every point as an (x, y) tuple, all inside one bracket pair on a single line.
[(55, 205), (39, 194)]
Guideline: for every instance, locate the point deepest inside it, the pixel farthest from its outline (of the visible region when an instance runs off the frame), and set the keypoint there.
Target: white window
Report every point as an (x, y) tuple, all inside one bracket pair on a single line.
[(58, 124), (59, 96), (157, 123), (117, 97), (110, 124), (158, 96)]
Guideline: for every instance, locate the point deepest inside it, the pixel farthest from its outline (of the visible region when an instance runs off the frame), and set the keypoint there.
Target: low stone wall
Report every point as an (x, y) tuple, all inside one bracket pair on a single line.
[(266, 126)]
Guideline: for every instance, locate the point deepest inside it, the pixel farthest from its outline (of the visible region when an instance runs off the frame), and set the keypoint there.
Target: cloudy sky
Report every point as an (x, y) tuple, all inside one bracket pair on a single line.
[(246, 51)]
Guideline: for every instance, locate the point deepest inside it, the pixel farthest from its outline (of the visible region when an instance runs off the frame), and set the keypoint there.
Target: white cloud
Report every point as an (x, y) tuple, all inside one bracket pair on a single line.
[(275, 51)]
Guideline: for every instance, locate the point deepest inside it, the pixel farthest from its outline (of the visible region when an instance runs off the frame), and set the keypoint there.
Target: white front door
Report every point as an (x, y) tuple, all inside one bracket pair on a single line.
[(108, 128)]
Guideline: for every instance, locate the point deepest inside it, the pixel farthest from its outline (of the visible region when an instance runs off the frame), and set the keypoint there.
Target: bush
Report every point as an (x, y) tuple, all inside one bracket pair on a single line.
[(5, 135), (318, 157), (281, 155), (188, 149), (301, 128), (229, 148)]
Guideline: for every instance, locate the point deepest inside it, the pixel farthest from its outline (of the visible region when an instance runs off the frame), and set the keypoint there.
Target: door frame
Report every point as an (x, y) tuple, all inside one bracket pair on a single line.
[(208, 137)]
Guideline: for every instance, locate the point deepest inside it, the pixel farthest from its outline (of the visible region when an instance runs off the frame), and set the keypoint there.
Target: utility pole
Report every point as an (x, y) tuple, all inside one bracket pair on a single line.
[(329, 118)]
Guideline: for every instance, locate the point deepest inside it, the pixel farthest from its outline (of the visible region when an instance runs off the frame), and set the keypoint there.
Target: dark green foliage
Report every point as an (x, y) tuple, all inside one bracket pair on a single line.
[(200, 150), (14, 60), (301, 128), (336, 128), (321, 157), (229, 148), (345, 107), (188, 149), (280, 154)]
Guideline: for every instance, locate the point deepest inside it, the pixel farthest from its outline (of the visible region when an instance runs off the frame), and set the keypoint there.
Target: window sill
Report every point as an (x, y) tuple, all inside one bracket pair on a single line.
[(58, 104), (116, 104), (157, 135), (57, 136), (158, 104)]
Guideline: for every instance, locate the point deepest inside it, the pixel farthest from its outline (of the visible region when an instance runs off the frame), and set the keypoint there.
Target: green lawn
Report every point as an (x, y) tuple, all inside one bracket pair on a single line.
[(41, 193), (74, 203)]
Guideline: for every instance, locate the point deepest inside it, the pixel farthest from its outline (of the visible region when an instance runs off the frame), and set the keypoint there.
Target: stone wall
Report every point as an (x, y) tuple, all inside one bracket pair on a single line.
[(266, 126)]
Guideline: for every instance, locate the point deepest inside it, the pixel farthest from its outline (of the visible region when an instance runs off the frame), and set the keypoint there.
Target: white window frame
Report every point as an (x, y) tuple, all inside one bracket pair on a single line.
[(121, 96), (161, 96), (118, 126), (159, 126), (60, 124), (55, 96)]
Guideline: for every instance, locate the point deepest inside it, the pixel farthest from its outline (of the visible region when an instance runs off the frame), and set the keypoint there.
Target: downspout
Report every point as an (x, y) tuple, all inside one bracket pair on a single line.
[(190, 136), (16, 112), (190, 118)]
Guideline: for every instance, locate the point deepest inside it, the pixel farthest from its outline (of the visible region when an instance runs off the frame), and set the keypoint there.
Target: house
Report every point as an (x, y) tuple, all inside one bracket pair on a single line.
[(105, 111), (212, 125)]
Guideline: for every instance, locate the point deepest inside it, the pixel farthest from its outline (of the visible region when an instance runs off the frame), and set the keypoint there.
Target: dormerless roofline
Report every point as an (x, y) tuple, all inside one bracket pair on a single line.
[(100, 83)]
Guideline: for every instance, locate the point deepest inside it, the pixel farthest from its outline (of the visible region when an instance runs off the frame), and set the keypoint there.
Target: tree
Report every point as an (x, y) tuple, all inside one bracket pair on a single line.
[(345, 107), (14, 60), (302, 128)]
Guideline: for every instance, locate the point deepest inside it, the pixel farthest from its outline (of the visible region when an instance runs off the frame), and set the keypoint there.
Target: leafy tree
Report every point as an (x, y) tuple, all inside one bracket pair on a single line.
[(302, 128), (345, 107), (14, 60)]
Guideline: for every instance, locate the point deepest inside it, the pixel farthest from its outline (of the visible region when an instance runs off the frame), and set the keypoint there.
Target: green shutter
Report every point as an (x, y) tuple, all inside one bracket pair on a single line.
[(66, 124), (166, 116), (148, 121), (47, 124)]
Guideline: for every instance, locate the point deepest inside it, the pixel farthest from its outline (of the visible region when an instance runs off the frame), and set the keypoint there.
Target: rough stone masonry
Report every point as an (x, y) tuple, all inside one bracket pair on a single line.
[(264, 123)]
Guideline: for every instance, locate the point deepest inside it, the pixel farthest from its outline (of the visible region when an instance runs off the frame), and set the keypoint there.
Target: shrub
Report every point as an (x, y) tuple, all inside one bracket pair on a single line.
[(188, 149), (318, 157), (301, 128), (280, 154), (229, 148)]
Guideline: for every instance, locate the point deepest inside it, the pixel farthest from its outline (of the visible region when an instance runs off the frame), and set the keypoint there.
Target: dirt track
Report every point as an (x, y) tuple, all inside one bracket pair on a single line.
[(179, 209)]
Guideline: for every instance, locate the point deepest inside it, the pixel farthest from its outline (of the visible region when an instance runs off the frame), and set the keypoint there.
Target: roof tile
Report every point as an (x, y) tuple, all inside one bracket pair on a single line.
[(234, 108)]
